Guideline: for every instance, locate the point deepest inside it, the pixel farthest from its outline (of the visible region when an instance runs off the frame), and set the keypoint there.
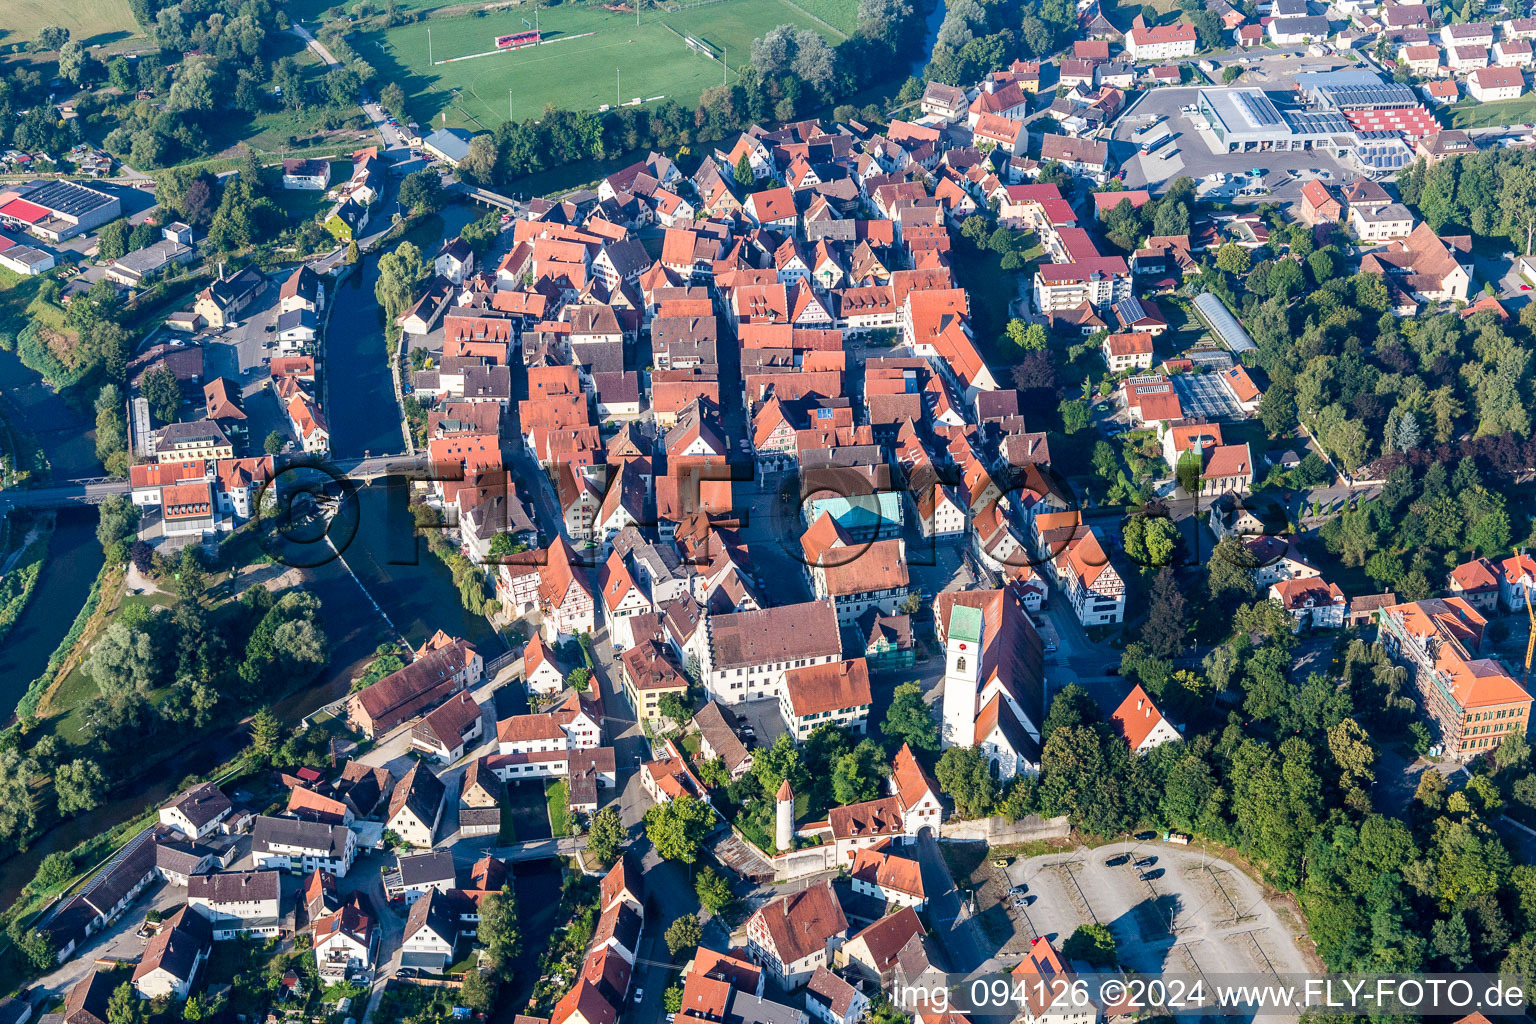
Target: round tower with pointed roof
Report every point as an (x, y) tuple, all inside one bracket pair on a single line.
[(784, 833)]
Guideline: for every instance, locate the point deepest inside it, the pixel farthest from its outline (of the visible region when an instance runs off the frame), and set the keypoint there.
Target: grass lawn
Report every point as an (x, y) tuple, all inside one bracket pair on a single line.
[(78, 686), (93, 22), (690, 745), (302, 204), (652, 60), (1483, 115), (837, 13), (557, 794)]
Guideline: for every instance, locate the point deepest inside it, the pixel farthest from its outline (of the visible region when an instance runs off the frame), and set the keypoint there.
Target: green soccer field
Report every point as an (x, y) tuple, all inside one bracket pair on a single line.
[(575, 67)]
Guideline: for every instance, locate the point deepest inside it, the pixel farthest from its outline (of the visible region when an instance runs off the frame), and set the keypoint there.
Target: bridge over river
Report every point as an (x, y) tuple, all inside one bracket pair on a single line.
[(96, 489)]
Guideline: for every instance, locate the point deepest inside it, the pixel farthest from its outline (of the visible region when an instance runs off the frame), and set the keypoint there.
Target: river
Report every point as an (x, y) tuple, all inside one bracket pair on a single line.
[(931, 26), (74, 559), (410, 584), (68, 438)]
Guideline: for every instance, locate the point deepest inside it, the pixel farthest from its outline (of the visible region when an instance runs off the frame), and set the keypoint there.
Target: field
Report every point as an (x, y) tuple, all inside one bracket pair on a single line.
[(841, 16), (90, 21), (575, 69), (1484, 115)]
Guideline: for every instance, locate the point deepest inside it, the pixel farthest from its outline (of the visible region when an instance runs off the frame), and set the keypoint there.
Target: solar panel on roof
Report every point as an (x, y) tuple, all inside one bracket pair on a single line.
[(67, 198), (1258, 108)]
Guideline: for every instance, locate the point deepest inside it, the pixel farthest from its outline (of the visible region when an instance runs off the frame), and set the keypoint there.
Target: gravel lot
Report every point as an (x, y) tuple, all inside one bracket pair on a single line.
[(1198, 913)]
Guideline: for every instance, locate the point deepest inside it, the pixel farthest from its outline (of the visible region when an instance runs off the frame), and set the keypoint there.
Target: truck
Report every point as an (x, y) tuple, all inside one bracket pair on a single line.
[(1154, 140)]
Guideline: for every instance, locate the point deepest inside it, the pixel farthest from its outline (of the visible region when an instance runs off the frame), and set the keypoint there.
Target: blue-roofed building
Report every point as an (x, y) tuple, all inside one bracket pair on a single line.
[(862, 516), (447, 144)]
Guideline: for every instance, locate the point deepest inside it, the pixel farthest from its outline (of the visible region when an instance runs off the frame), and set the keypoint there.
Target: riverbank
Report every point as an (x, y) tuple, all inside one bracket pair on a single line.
[(21, 570)]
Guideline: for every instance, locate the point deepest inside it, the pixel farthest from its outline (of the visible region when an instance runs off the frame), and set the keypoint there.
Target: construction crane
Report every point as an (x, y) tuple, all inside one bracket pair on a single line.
[(1530, 643)]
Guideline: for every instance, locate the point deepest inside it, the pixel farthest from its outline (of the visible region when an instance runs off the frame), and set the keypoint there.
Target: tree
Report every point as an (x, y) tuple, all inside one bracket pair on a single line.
[(266, 735), (392, 98), (56, 869), (605, 836), (674, 707), (79, 785), (1231, 73), (856, 776), (123, 1007), (163, 393), (1072, 705), (713, 890), (112, 240), (73, 62), (498, 931), (479, 165), (1094, 943), (1150, 540), (422, 191), (400, 273), (965, 774), (125, 658), (679, 827), (1166, 616), (908, 720), (274, 443), (52, 37), (744, 176), (684, 934), (1074, 415), (299, 643), (1026, 337), (478, 993), (1233, 258), (37, 946), (579, 679)]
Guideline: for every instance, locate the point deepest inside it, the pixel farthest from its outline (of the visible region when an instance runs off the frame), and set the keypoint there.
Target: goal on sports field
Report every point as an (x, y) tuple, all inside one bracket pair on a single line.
[(698, 45)]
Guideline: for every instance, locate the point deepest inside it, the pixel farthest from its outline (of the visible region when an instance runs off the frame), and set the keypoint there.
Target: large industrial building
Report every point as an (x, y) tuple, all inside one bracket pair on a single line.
[(1246, 120), (56, 210), (1369, 124)]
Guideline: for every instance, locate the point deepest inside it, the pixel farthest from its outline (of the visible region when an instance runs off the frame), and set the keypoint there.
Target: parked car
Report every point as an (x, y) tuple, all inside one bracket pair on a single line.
[(1147, 876), (639, 995), (1146, 862), (1117, 860), (1018, 890)]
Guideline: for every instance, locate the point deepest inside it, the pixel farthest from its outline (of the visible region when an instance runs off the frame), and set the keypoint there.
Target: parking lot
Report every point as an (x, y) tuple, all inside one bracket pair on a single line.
[(1204, 397), (1181, 911), (1195, 158)]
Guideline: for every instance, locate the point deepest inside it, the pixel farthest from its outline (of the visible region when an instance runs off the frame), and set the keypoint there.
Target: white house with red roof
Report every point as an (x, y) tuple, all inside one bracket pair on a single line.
[(542, 672), (1142, 724), (1040, 978), (1159, 42), (1312, 602), (888, 876), (1487, 85), (1131, 350)]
